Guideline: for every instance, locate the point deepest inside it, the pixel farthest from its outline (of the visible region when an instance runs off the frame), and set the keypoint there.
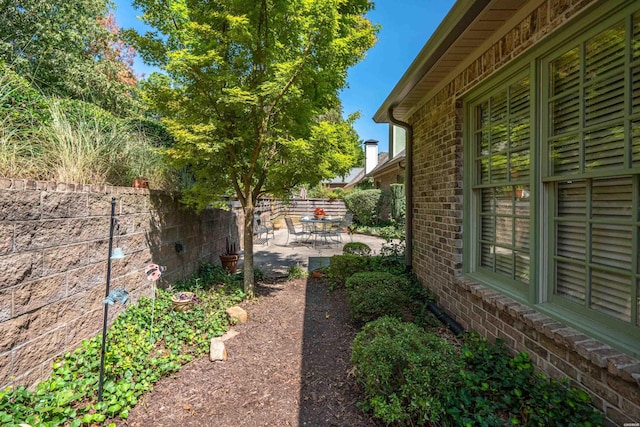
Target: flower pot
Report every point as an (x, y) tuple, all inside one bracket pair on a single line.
[(183, 301), (229, 262), (317, 274), (318, 216)]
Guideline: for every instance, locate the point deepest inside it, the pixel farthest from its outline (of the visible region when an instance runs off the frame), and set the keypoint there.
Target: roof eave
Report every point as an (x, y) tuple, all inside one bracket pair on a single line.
[(461, 15)]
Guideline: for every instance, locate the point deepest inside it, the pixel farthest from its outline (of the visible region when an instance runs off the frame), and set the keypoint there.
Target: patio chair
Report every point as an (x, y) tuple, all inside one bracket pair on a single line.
[(262, 230), (291, 229), (336, 230)]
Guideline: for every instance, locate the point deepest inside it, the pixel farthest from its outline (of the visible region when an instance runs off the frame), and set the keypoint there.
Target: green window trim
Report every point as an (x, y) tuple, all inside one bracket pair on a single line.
[(583, 177)]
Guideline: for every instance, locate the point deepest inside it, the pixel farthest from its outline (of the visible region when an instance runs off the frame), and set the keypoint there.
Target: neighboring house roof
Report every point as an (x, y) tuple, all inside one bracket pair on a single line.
[(470, 25), (353, 173), (382, 157), (385, 166)]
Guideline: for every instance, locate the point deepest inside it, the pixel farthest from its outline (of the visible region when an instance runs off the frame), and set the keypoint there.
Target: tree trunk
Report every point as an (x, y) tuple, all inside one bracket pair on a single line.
[(249, 283)]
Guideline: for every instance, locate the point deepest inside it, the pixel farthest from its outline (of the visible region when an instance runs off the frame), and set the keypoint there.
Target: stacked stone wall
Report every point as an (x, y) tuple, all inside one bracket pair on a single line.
[(53, 261), (609, 376)]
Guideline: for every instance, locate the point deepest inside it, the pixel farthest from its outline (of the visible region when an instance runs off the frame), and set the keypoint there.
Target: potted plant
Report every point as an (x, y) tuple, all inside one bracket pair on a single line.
[(229, 258), (318, 213), (319, 273), (183, 301)]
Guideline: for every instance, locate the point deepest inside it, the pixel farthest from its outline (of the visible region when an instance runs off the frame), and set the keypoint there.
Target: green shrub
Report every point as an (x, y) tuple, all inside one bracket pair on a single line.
[(376, 294), (398, 202), (207, 277), (405, 371), (343, 266), (20, 104), (296, 272), (319, 192), (496, 387), (364, 206), (357, 248), (22, 110)]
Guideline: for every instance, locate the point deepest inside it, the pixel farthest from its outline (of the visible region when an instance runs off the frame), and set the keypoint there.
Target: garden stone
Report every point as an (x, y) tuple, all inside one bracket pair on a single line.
[(230, 334), (218, 350), (238, 313)]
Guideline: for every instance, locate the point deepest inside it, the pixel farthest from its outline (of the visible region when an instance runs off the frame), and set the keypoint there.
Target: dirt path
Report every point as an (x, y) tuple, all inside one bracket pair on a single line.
[(288, 367)]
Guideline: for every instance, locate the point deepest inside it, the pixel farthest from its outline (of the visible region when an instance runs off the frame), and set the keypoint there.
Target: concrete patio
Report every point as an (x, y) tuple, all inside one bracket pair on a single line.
[(275, 257)]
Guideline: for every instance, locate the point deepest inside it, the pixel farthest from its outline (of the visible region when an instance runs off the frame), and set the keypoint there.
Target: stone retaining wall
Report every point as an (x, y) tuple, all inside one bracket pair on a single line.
[(53, 260)]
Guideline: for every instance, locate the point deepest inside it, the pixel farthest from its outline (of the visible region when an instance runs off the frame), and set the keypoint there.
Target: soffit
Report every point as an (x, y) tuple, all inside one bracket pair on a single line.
[(468, 26)]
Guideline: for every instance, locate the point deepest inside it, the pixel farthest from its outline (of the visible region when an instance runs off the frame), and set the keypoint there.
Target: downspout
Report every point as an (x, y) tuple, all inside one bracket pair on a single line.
[(408, 189)]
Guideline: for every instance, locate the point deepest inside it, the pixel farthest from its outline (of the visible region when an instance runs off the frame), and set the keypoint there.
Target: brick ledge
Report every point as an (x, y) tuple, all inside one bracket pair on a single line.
[(591, 350)]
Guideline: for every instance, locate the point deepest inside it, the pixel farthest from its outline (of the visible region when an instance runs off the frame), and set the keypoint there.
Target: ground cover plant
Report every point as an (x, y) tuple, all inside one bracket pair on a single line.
[(410, 377), (497, 389), (146, 342)]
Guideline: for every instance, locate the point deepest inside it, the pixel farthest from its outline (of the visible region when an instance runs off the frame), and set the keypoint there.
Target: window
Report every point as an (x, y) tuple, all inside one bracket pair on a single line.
[(501, 185), (590, 170), (554, 182)]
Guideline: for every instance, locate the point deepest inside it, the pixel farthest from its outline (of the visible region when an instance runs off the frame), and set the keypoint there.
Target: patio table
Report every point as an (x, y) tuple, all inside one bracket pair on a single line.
[(320, 227)]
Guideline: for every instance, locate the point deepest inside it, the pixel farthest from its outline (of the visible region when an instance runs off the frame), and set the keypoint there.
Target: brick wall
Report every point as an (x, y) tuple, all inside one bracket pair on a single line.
[(53, 258), (610, 377)]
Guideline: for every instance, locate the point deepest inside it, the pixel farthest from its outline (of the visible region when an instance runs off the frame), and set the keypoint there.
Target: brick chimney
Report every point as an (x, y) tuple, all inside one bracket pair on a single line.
[(370, 155)]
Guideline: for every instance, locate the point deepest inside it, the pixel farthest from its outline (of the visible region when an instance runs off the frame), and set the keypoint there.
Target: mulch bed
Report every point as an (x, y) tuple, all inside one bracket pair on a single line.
[(289, 366)]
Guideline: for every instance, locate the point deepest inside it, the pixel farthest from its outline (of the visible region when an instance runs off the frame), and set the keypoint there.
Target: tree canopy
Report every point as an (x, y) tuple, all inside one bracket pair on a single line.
[(248, 89), (69, 49)]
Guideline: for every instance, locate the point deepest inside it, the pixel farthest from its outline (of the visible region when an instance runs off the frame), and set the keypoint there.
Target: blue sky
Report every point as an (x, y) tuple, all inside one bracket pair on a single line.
[(406, 27)]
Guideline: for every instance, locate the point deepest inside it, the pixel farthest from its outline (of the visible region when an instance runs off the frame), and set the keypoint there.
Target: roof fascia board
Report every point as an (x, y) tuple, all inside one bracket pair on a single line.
[(391, 165), (517, 17), (461, 15)]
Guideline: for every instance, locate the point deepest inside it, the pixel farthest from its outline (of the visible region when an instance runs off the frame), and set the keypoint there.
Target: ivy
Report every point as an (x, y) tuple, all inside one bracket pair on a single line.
[(138, 353)]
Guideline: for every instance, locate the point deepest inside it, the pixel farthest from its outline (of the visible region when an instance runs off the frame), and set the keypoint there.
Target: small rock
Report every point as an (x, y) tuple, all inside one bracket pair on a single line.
[(218, 350), (230, 334), (238, 313)]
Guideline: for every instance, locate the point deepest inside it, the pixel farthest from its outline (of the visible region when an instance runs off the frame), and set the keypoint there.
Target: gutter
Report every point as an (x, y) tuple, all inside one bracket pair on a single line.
[(408, 188), (459, 18)]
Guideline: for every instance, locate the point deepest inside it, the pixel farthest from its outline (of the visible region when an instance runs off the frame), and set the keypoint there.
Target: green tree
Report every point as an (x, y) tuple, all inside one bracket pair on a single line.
[(69, 49), (244, 88)]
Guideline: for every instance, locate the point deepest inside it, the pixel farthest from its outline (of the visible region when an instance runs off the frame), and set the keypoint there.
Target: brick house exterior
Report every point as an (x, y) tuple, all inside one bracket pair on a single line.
[(483, 50)]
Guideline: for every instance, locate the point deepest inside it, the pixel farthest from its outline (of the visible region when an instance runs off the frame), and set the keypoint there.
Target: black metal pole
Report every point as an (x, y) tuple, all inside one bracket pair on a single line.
[(106, 306)]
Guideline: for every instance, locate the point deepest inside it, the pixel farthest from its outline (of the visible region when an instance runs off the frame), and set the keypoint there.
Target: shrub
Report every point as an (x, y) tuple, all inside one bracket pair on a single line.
[(343, 266), (393, 250), (376, 294), (319, 192), (357, 248), (296, 272), (405, 371), (364, 206), (22, 109), (207, 277), (20, 104), (398, 202)]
